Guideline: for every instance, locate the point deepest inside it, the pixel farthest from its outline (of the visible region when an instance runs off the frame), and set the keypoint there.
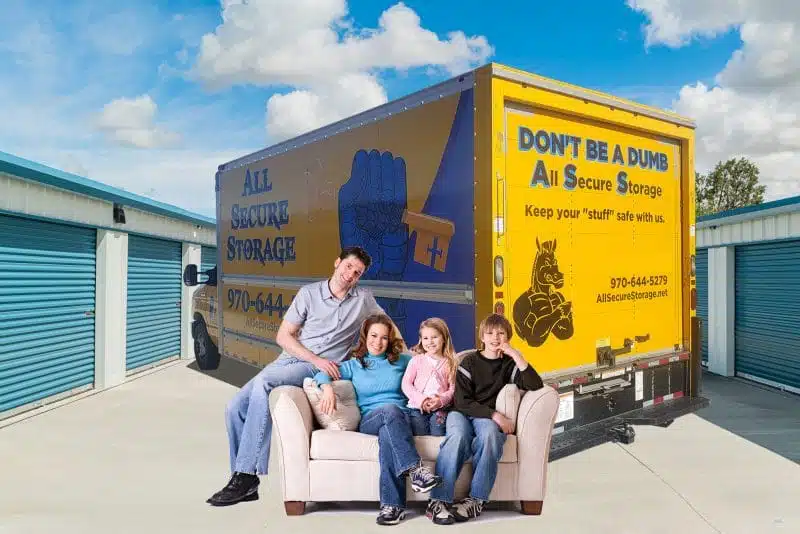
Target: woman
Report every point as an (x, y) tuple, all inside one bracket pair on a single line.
[(376, 367)]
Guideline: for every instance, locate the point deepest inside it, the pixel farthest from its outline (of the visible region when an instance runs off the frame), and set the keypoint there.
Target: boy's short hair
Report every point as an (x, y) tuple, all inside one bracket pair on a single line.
[(495, 320), (359, 253)]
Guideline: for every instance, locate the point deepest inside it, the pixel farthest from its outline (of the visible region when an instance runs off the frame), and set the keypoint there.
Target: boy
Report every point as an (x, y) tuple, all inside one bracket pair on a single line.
[(481, 375)]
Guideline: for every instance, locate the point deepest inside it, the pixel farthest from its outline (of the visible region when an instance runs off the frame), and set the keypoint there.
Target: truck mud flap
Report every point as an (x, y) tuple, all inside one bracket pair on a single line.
[(620, 428)]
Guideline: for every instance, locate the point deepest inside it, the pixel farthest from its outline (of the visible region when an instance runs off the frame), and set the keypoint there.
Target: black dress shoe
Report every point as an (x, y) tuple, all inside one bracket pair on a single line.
[(241, 487)]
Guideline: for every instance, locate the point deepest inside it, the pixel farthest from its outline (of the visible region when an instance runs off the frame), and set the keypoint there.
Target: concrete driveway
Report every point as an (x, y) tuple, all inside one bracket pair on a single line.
[(143, 457)]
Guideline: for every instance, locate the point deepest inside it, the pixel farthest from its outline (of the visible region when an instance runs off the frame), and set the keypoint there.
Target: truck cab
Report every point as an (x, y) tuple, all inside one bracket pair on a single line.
[(205, 303)]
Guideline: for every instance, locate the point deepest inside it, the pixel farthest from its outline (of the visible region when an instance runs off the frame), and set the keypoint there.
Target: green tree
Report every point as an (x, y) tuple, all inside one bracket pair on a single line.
[(731, 184)]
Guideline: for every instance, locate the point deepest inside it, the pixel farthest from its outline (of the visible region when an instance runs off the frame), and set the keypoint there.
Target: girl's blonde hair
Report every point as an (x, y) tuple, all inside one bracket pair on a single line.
[(448, 351)]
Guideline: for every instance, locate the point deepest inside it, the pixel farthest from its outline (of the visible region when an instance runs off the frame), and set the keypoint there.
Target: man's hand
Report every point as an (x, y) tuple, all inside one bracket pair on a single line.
[(503, 422), (328, 401), (328, 367)]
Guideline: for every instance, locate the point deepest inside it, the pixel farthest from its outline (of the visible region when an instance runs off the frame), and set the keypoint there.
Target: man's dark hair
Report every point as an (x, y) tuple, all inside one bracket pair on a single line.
[(359, 253)]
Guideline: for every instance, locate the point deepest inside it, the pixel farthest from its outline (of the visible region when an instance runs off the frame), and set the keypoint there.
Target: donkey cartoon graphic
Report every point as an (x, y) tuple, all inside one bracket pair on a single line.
[(542, 309)]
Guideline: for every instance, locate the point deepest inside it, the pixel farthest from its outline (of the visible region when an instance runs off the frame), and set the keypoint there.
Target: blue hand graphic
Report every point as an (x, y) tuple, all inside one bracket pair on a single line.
[(371, 206)]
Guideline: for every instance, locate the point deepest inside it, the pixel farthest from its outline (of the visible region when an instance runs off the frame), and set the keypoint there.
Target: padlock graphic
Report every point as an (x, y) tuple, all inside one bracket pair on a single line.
[(433, 238)]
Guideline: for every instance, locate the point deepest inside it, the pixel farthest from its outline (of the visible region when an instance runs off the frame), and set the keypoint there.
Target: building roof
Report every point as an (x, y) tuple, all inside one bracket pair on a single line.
[(43, 174), (784, 205)]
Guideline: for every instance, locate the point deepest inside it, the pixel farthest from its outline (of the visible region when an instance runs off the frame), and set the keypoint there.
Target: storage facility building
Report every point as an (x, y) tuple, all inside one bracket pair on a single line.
[(91, 287), (748, 281)]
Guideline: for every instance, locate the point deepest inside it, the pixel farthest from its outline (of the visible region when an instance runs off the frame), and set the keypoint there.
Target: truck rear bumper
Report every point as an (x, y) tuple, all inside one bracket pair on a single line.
[(587, 436)]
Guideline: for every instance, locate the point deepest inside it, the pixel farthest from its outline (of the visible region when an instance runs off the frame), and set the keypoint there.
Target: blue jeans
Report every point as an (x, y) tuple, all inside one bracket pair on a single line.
[(396, 451), (469, 436), (247, 415), (428, 424)]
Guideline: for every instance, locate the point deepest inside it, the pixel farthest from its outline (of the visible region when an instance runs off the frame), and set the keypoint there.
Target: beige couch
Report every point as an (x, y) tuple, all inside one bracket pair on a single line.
[(317, 465)]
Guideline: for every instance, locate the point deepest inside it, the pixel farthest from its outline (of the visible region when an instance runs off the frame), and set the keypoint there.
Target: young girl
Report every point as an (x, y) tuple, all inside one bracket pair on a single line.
[(429, 381)]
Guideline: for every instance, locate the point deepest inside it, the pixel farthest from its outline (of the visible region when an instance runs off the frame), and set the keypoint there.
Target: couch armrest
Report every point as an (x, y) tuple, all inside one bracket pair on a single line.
[(537, 415), (293, 423)]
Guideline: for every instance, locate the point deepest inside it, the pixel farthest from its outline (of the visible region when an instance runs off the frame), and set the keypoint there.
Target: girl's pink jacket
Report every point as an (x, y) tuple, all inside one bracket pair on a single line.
[(417, 374)]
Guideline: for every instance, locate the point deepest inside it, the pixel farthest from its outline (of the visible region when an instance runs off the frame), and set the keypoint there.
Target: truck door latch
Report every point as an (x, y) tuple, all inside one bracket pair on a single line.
[(606, 356)]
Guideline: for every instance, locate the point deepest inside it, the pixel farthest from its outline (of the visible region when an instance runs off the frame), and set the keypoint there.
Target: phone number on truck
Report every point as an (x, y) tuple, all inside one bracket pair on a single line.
[(639, 281), (240, 299)]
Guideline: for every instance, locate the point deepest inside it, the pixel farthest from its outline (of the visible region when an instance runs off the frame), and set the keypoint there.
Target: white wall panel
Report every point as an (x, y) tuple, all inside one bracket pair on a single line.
[(30, 198)]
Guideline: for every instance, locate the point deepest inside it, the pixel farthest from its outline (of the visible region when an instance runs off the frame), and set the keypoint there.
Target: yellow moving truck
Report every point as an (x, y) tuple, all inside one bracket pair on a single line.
[(570, 211)]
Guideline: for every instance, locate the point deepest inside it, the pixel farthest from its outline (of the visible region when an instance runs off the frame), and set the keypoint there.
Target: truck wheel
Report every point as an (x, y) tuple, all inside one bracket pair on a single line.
[(205, 352)]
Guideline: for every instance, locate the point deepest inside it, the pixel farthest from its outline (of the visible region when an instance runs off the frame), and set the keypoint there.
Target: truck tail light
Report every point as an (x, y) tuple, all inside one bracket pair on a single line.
[(693, 298), (694, 265), (499, 308), (499, 275)]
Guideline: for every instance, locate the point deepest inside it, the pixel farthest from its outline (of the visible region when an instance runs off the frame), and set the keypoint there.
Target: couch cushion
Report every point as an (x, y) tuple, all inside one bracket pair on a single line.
[(355, 446), (347, 416)]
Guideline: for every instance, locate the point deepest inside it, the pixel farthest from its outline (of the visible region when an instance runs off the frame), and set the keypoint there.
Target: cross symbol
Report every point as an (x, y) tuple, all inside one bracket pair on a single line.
[(434, 251)]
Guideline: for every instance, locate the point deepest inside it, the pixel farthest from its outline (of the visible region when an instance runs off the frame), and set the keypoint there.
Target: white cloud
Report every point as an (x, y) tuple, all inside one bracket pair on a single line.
[(753, 108), (312, 46), (301, 111), (130, 122)]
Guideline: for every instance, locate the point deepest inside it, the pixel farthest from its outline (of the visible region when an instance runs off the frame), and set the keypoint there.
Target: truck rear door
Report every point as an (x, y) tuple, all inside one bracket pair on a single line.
[(593, 218)]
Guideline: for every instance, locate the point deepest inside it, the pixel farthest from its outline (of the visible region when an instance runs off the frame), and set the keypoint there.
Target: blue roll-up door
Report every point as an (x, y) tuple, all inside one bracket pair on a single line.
[(768, 312), (701, 270), (47, 300), (154, 300), (208, 258)]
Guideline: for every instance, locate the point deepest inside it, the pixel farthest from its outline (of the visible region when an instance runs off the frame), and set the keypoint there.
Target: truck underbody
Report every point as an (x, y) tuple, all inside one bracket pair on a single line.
[(608, 403)]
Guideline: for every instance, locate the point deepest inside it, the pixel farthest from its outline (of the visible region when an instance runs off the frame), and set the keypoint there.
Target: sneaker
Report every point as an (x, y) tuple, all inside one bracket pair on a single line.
[(439, 512), (467, 509), (390, 515), (241, 487), (422, 479)]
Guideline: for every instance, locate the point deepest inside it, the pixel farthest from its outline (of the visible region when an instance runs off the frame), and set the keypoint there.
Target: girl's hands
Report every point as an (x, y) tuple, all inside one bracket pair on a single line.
[(425, 406), (431, 404)]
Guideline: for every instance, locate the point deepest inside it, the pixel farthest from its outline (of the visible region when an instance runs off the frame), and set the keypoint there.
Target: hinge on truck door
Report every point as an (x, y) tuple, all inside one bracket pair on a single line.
[(607, 357)]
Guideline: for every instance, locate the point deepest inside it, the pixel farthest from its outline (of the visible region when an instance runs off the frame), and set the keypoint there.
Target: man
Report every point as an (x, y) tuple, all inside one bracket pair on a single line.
[(318, 329)]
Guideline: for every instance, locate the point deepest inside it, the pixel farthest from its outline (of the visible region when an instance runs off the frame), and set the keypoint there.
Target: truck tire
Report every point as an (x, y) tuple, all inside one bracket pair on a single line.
[(205, 352)]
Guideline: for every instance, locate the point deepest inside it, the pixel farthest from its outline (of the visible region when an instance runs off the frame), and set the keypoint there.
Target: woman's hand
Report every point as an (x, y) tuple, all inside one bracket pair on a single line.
[(328, 402)]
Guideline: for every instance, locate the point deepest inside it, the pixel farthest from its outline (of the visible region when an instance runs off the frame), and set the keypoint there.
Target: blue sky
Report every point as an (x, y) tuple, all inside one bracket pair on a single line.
[(152, 95)]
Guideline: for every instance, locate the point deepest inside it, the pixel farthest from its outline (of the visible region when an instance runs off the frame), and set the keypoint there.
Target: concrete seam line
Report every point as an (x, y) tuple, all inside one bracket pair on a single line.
[(670, 486)]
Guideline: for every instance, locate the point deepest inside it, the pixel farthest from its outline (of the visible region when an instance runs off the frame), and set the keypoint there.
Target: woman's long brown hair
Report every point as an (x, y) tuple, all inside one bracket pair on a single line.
[(394, 348)]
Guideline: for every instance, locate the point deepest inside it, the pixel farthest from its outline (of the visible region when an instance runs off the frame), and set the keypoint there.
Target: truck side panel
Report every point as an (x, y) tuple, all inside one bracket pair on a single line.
[(400, 186)]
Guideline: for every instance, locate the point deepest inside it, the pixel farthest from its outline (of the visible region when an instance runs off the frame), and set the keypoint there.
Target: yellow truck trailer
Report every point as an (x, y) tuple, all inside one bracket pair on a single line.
[(570, 211)]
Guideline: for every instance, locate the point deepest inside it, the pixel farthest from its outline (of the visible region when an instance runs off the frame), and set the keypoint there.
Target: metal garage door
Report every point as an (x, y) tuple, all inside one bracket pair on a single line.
[(768, 312), (47, 300), (701, 263), (209, 258), (154, 300)]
